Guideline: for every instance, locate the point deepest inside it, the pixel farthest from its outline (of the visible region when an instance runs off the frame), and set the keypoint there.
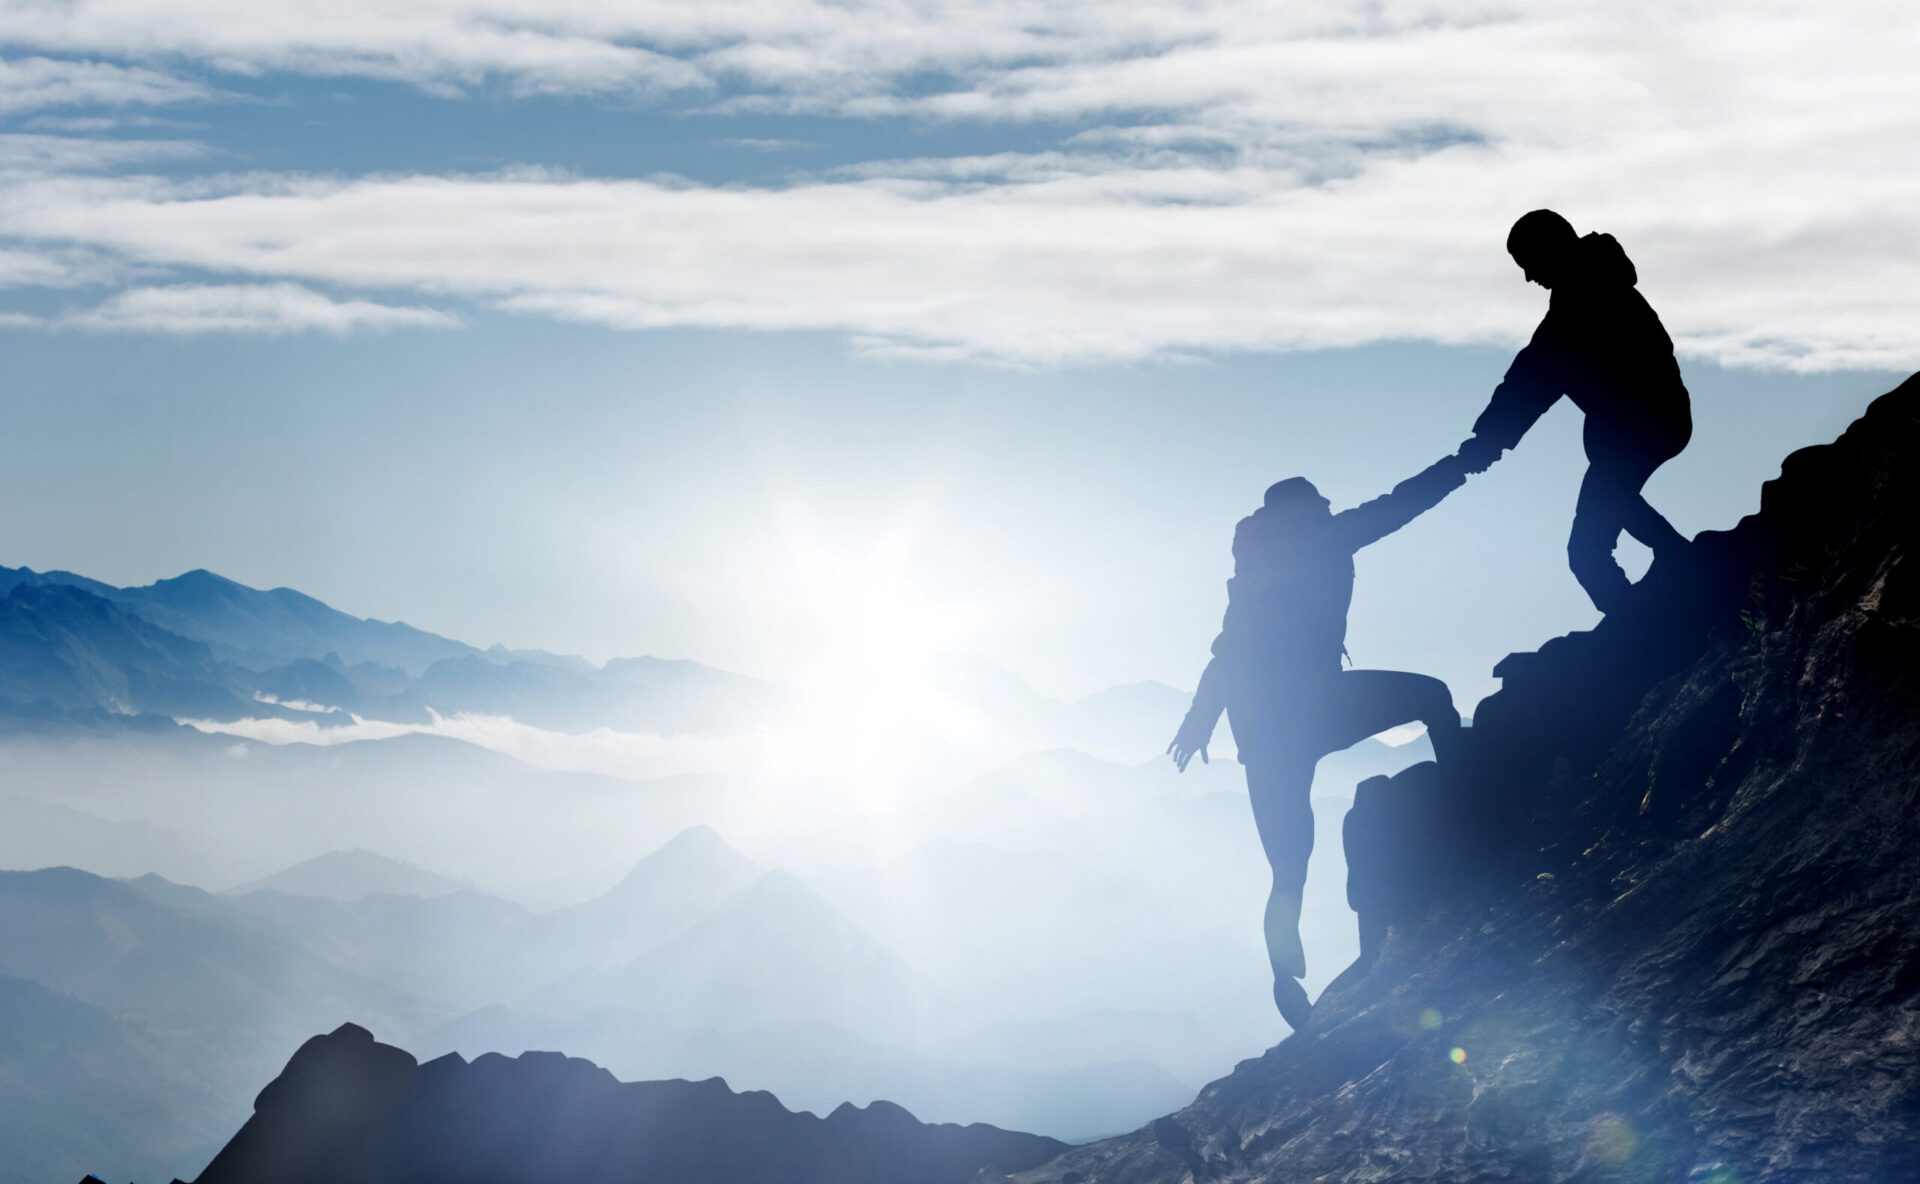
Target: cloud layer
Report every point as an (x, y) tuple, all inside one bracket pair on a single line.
[(33, 83), (246, 308), (1223, 179)]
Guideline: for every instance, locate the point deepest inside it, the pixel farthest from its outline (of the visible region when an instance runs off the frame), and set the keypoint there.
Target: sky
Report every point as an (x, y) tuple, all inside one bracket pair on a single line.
[(756, 332)]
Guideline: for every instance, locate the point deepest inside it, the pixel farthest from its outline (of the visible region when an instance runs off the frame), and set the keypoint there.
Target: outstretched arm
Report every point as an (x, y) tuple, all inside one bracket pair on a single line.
[(1196, 731), (1372, 521), (1531, 385)]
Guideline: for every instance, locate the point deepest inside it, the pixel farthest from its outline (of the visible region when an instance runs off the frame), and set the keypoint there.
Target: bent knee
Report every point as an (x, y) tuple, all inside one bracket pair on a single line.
[(1436, 702)]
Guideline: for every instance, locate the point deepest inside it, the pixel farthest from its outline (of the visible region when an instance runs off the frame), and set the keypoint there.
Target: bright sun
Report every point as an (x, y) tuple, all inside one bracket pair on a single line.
[(875, 711)]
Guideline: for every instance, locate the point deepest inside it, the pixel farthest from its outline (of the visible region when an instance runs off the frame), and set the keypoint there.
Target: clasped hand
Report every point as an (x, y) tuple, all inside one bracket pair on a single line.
[(1478, 453)]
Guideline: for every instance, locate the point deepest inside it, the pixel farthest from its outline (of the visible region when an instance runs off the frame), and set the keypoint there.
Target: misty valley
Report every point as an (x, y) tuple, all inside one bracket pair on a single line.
[(238, 818)]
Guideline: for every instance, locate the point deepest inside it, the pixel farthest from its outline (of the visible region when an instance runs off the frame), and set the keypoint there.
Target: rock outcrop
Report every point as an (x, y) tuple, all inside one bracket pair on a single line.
[(1674, 933), (348, 1108)]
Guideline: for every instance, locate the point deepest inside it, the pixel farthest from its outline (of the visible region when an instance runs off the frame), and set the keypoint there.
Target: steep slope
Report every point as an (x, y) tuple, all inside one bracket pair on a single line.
[(1680, 937), (347, 1108)]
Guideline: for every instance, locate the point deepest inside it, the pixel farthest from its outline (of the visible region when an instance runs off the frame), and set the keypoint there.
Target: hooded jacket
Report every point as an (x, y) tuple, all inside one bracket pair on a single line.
[(1293, 579), (1601, 345)]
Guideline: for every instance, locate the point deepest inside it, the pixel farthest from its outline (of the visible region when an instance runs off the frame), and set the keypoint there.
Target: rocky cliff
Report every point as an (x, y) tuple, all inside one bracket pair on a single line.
[(348, 1108), (1672, 928)]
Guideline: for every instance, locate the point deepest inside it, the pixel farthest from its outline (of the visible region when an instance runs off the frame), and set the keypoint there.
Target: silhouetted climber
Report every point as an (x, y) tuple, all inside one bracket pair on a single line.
[(1276, 672), (1602, 346)]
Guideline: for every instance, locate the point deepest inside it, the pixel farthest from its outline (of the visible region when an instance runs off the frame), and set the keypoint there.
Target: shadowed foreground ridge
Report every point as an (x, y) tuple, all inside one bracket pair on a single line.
[(1678, 934), (348, 1108)]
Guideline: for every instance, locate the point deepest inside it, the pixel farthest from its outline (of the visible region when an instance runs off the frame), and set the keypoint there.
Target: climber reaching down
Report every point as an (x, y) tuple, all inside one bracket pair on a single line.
[(1602, 346)]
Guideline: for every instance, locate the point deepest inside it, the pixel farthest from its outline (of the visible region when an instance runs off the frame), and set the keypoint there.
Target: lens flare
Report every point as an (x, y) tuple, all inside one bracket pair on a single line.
[(1430, 1018), (1458, 1056), (1611, 1138)]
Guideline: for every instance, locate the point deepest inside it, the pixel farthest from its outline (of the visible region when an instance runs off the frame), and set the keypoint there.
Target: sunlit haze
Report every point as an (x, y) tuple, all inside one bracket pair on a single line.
[(805, 441)]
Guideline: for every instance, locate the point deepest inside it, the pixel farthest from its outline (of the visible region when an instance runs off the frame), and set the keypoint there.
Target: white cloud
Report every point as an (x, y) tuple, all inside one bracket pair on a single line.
[(1053, 269), (30, 268), (34, 83), (59, 267), (246, 308), (435, 44), (632, 755), (41, 155), (1315, 175), (755, 144)]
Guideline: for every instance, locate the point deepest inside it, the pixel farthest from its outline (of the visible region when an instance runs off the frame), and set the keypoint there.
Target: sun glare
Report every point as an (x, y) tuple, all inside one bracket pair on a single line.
[(875, 710)]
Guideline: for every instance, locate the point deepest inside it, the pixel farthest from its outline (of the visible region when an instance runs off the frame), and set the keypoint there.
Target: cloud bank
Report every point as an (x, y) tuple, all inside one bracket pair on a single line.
[(1222, 178), (246, 308), (629, 755), (33, 83)]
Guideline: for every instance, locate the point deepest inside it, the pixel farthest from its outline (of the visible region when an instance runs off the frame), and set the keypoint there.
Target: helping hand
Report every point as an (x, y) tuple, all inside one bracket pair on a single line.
[(1478, 453)]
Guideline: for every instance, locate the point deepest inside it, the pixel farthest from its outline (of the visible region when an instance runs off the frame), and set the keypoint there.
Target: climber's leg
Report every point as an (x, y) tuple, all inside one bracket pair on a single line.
[(1619, 463), (1598, 517), (1357, 704), (1279, 789)]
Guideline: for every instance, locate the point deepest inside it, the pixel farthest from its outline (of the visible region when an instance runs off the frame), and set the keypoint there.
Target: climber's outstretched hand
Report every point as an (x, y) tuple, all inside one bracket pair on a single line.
[(1191, 738)]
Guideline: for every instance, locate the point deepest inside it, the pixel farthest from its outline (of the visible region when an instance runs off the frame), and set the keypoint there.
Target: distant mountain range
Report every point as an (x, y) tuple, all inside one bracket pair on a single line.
[(200, 646), (204, 647), (255, 629)]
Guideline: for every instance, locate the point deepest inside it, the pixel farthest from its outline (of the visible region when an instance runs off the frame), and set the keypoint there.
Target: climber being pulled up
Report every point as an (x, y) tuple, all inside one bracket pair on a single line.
[(1603, 347), (1276, 671)]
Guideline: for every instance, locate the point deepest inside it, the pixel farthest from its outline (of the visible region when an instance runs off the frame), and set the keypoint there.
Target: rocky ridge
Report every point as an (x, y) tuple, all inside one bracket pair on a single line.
[(349, 1108)]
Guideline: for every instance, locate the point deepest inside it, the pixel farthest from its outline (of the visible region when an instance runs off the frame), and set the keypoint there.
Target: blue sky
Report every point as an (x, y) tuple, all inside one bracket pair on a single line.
[(665, 328)]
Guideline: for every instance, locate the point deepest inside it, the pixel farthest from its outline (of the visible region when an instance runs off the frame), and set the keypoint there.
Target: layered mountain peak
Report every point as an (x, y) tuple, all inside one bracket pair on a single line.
[(697, 850), (353, 875)]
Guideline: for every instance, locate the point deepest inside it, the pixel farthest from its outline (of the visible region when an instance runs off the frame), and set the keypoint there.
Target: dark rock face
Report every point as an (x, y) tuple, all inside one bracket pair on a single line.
[(347, 1108), (1679, 939)]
